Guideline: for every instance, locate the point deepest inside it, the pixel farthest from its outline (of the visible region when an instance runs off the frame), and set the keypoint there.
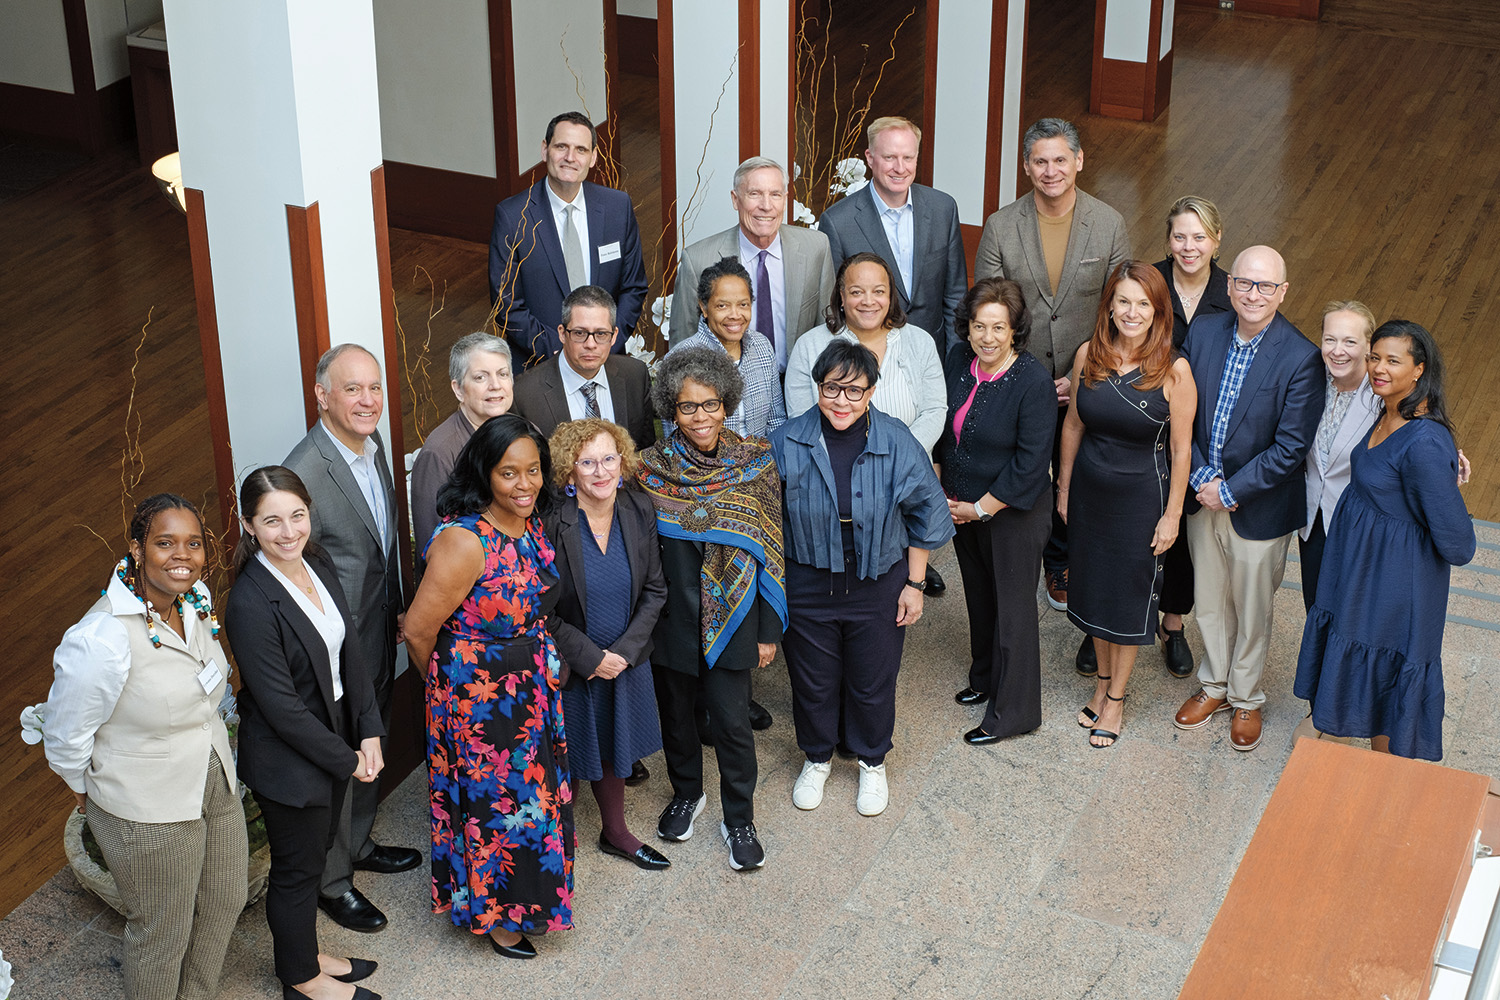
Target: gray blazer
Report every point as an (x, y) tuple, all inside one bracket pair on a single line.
[(809, 279), (343, 525), (1326, 480), (939, 274), (1011, 247)]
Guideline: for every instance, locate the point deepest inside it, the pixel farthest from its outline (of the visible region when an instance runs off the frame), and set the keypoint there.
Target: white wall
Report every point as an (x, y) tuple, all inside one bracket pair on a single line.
[(775, 69), (559, 66), (707, 139), (1127, 26), (636, 8), (1168, 14), (433, 62), (34, 46), (109, 22)]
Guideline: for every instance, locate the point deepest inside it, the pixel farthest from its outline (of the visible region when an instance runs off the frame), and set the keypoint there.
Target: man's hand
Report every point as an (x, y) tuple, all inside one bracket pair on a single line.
[(1062, 386), (1211, 498)]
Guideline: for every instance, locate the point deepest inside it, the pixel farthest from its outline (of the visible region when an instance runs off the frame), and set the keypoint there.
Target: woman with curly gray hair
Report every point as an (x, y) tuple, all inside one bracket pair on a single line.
[(718, 514)]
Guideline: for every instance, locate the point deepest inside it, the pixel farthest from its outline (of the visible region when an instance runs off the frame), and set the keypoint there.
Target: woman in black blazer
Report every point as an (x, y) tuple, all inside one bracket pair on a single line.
[(308, 718), (609, 595)]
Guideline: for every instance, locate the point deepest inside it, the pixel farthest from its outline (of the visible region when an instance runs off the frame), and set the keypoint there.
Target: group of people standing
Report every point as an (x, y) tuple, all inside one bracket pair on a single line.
[(836, 405)]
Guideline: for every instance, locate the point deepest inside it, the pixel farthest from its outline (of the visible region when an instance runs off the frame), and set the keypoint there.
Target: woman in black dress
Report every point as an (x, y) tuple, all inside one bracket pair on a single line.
[(1123, 476)]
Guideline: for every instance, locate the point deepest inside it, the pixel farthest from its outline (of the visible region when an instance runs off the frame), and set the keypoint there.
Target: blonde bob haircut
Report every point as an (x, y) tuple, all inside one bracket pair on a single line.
[(1357, 308), (570, 438), (1206, 211)]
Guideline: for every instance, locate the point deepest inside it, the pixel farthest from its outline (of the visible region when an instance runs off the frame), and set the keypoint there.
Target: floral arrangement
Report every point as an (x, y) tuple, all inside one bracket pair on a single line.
[(6, 982)]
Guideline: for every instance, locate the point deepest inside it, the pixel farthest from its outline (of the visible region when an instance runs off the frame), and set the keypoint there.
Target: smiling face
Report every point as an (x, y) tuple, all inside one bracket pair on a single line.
[(352, 402), (727, 311), (700, 428), (515, 482), (172, 559), (1130, 308), (1393, 371), (841, 411), (760, 201), (486, 388), (1190, 244), (866, 295), (893, 164), (1053, 168), (282, 524), (1254, 308), (570, 156), (990, 336), (596, 470), (1346, 347)]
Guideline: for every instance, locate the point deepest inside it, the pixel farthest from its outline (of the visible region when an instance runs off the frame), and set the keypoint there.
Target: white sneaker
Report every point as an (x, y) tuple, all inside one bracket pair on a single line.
[(807, 793), (874, 793)]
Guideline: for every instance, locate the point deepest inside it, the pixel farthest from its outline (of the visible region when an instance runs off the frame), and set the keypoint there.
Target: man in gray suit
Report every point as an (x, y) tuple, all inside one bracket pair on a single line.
[(911, 226), (342, 463), (1060, 245), (791, 269)]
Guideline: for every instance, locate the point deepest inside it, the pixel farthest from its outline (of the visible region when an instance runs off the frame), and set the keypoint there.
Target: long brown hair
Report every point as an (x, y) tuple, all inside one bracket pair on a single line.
[(1156, 358)]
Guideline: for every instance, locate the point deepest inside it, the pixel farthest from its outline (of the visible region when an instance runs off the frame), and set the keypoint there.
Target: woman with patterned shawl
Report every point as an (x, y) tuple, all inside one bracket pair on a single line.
[(718, 514)]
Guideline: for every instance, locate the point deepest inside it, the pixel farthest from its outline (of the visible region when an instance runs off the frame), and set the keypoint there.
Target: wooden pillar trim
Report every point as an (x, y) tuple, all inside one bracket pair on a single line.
[(995, 121), (1125, 88), (213, 363), (503, 98), (929, 96), (1153, 60), (392, 366), (667, 112), (748, 68), (309, 296), (1022, 183)]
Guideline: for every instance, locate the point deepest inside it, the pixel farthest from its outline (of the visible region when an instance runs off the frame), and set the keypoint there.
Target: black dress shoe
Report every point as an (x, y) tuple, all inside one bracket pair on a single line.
[(638, 774), (935, 584), (968, 696), (521, 949), (354, 911), (977, 737), (759, 717), (1175, 651), (360, 968), (1087, 661), (389, 860), (647, 857)]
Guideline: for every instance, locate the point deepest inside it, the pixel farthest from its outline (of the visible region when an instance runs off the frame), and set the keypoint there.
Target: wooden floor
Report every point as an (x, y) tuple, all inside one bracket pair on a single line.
[(1370, 160)]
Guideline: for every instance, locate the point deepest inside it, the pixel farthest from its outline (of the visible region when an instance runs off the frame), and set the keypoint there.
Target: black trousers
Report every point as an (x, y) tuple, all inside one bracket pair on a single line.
[(1055, 555), (299, 837), (1000, 560), (1177, 574), (726, 695), (843, 650), (1311, 554)]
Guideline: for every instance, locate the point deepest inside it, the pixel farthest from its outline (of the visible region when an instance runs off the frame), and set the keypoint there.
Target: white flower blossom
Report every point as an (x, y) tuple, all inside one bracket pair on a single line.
[(6, 982), (849, 176), (32, 719), (802, 214), (661, 312), (636, 348), (796, 171)]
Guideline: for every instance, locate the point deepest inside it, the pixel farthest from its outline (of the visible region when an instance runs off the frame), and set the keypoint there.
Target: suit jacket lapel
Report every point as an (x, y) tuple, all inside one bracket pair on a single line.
[(868, 218), (596, 233), (554, 396), (343, 478), (1078, 239), (1216, 353), (1265, 359), (1031, 246), (630, 532), (617, 394), (301, 626), (538, 216), (794, 273), (571, 518)]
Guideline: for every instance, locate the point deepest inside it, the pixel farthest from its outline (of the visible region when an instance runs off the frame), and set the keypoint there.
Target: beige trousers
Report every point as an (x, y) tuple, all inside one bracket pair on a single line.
[(1235, 583), (183, 885)]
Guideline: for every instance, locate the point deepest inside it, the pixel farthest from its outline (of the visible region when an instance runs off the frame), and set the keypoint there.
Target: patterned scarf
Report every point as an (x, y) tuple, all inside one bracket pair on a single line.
[(730, 501)]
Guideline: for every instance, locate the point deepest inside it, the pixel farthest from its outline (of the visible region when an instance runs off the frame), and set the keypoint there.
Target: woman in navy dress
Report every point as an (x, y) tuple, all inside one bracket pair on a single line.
[(1123, 475), (1371, 661), (610, 593)]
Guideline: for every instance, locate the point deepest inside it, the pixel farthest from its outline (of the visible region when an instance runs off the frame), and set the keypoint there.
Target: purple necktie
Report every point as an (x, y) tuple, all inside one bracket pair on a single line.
[(764, 324)]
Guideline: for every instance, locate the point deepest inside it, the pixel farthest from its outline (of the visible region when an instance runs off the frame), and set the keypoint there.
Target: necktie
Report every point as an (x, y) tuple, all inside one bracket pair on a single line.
[(590, 399), (572, 250), (764, 323)]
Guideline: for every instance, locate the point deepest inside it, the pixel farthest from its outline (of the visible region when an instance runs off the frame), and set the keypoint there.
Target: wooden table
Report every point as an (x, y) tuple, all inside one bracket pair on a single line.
[(1348, 885)]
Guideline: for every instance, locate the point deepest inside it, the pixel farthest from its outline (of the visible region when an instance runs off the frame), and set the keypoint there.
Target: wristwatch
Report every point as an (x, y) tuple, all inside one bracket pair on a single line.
[(980, 511), (918, 585)]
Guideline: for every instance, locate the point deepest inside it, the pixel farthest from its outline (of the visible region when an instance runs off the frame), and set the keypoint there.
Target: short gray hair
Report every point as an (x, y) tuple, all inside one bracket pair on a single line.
[(587, 296), (1051, 128), (333, 354), (758, 163), (458, 358), (704, 365)]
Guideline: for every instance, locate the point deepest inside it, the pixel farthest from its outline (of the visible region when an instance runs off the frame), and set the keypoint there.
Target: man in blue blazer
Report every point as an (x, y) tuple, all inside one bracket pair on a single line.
[(559, 234), (1260, 397), (911, 226)]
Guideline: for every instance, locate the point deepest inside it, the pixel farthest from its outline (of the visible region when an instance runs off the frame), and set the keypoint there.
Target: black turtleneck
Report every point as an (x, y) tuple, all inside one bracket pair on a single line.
[(844, 448)]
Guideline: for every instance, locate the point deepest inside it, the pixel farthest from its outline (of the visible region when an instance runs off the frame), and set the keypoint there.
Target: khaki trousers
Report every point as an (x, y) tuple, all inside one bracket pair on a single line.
[(1234, 589), (183, 885)]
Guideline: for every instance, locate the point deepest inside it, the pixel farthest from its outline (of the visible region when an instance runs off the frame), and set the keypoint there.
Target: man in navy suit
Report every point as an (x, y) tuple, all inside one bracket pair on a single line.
[(912, 227), (1260, 397), (557, 235)]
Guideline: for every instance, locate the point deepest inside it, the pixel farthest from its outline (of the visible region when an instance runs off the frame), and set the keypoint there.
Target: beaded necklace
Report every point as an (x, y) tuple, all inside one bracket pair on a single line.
[(194, 597)]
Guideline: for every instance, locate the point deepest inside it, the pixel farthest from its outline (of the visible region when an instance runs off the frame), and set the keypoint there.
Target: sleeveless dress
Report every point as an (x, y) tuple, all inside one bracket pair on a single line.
[(1117, 495), (1371, 660), (502, 807)]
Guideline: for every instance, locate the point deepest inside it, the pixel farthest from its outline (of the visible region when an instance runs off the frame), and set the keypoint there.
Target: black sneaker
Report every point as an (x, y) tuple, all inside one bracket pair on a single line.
[(676, 822), (744, 846)]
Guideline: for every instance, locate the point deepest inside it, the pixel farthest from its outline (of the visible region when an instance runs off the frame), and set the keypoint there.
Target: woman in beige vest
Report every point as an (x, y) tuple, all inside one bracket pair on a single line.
[(134, 729)]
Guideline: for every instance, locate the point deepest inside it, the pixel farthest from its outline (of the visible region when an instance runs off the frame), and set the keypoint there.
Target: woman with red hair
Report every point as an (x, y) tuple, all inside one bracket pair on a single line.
[(1123, 475)]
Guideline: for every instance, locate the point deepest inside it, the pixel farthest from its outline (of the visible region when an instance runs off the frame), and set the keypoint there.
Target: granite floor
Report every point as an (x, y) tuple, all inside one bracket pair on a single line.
[(1037, 868)]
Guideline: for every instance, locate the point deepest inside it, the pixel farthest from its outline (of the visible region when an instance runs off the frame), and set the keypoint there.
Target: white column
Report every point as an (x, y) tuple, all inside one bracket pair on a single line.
[(706, 103)]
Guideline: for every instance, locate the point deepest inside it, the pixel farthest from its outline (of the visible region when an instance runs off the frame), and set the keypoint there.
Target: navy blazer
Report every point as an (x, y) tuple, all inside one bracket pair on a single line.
[(529, 280), (1272, 425), (940, 271), (296, 743)]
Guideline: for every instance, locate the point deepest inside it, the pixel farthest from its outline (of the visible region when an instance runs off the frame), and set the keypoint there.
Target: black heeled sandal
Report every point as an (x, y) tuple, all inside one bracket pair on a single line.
[(1112, 737), (1093, 715)]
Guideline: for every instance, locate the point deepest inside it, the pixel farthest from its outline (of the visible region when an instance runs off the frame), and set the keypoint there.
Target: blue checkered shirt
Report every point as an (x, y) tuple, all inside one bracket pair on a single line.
[(762, 408), (1236, 364)]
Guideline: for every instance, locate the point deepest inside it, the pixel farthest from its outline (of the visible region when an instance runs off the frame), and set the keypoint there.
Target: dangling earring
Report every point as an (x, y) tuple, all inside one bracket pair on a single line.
[(621, 483), (570, 490)]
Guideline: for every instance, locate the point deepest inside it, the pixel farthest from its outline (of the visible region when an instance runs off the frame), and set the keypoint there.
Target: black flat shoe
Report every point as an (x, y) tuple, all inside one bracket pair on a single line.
[(647, 857), (354, 911), (1175, 650), (968, 696), (638, 774), (1087, 661), (360, 968), (759, 717), (935, 584), (521, 949), (977, 737), (292, 993), (389, 860)]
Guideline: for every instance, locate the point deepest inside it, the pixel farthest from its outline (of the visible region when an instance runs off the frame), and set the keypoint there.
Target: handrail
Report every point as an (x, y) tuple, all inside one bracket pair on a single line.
[(1484, 982)]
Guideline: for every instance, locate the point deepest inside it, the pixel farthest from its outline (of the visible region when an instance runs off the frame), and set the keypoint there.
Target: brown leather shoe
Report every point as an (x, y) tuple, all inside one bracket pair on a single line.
[(1057, 589), (1244, 730), (1197, 710)]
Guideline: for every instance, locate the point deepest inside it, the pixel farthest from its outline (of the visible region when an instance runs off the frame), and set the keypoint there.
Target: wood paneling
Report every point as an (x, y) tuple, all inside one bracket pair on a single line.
[(748, 69), (151, 89), (213, 365), (304, 230), (443, 202), (1473, 22), (637, 44), (1305, 9)]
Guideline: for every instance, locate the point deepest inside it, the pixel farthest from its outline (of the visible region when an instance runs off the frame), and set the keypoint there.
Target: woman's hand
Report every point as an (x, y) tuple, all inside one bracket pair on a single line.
[(371, 758), (961, 511), (1464, 468), (1165, 534), (908, 605), (83, 800), (766, 653), (1062, 503), (401, 628), (612, 666)]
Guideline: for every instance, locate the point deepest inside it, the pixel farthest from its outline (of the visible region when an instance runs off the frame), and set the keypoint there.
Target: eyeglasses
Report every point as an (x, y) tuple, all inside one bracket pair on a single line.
[(588, 466), (584, 336), (853, 393), (1265, 287), (687, 409)]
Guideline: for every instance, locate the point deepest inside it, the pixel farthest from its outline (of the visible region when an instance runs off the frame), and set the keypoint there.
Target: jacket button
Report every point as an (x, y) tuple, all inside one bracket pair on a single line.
[(205, 725), (860, 493), (1054, 317)]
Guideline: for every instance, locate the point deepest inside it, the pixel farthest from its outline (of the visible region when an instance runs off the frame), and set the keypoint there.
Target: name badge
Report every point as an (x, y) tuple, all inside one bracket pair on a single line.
[(609, 252), (210, 677)]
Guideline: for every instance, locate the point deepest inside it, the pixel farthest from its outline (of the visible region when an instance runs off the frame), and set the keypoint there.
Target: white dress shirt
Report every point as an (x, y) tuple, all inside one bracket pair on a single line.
[(580, 223), (573, 390), (370, 487), (327, 620), (900, 231), (776, 271)]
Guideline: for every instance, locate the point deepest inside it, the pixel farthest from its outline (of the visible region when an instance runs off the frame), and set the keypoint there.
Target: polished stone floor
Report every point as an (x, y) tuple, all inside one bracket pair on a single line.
[(1037, 868)]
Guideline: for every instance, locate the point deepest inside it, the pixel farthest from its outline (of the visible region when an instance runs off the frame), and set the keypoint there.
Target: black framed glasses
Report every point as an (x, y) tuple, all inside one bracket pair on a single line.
[(584, 336), (853, 393), (1266, 287), (688, 408)]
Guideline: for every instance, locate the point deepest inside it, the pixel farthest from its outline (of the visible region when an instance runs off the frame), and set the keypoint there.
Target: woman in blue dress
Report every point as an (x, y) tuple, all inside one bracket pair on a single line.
[(1371, 661)]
